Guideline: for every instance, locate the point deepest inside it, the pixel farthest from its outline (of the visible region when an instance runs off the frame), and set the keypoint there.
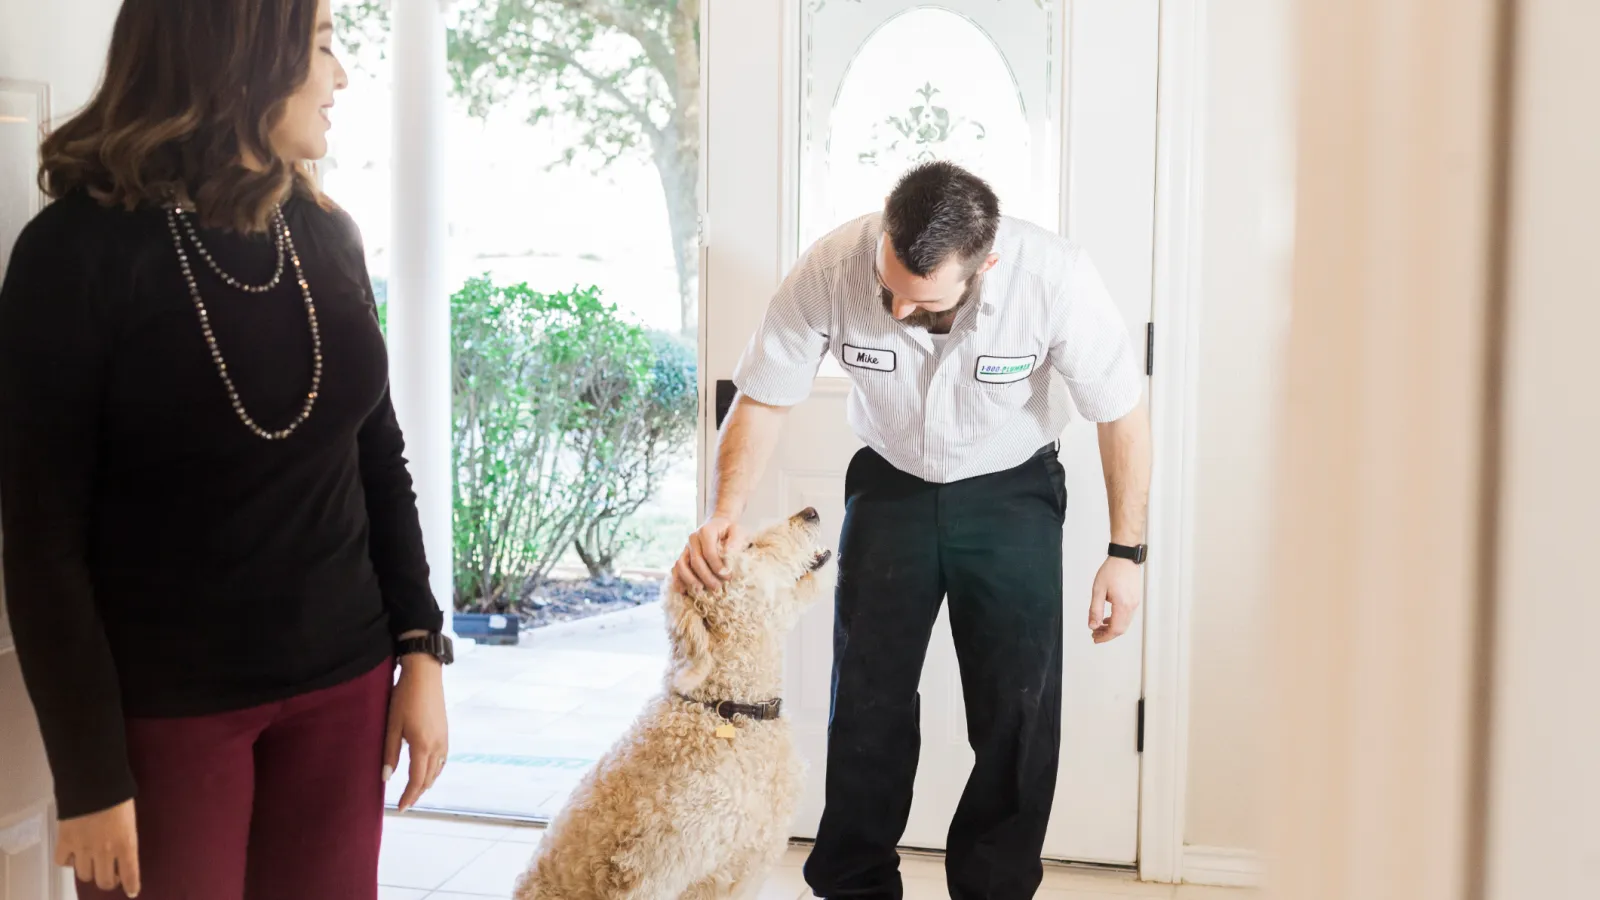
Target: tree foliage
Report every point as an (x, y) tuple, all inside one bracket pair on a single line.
[(566, 416), (626, 71)]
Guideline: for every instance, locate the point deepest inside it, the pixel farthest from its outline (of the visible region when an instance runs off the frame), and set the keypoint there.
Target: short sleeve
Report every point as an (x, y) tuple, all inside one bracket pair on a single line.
[(1090, 346), (780, 362)]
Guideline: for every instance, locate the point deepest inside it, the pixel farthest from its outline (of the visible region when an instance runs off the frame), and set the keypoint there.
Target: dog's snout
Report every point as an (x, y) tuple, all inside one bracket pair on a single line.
[(809, 514)]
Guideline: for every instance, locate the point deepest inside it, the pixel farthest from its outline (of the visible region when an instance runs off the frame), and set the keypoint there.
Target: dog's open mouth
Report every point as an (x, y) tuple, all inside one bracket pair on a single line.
[(819, 559)]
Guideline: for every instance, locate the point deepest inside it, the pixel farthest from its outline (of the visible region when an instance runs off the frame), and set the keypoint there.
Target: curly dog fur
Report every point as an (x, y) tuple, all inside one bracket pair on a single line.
[(673, 810)]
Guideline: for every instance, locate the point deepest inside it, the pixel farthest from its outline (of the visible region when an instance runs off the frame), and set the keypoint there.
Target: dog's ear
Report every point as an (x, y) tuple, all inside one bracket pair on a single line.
[(691, 640)]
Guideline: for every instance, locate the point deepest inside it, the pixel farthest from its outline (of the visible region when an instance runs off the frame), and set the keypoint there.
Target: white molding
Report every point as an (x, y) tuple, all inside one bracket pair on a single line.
[(27, 848), (1175, 309), (706, 433), (1222, 867), (791, 131), (24, 834)]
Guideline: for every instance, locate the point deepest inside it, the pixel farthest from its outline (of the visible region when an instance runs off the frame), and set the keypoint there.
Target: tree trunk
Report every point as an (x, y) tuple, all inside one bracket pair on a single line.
[(683, 213), (677, 158), (599, 565)]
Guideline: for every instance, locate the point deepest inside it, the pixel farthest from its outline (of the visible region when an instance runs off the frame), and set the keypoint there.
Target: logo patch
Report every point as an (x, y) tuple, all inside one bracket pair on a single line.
[(1004, 369), (867, 358)]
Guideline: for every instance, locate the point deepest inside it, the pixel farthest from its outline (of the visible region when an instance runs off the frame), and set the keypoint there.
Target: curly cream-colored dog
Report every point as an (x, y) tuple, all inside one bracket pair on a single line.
[(696, 799)]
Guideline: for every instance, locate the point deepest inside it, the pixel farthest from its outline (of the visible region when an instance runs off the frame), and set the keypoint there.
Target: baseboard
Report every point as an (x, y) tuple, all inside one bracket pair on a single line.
[(26, 870), (1221, 866)]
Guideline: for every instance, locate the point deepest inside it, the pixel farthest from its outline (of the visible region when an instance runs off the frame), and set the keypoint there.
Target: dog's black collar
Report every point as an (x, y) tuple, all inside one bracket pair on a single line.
[(765, 711)]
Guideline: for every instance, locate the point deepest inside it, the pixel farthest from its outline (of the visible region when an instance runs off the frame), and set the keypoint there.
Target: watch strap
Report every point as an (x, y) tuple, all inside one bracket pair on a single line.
[(1136, 554), (432, 644)]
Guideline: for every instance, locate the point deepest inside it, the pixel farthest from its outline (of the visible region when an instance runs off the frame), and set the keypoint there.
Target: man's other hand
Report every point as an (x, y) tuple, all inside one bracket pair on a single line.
[(1117, 585)]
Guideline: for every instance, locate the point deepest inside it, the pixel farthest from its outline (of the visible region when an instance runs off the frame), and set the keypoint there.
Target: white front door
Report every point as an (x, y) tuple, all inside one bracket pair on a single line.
[(812, 107)]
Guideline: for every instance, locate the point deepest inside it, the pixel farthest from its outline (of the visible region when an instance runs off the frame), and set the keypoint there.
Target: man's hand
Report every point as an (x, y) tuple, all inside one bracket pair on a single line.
[(704, 561), (417, 717), (1117, 583), (103, 847), (748, 436)]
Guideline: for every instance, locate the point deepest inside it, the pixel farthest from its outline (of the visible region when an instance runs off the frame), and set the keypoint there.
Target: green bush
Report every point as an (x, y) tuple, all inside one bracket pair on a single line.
[(637, 449), (565, 418)]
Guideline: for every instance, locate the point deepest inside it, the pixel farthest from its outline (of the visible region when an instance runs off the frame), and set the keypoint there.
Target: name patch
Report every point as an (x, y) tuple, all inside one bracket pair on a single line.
[(867, 358), (1005, 369)]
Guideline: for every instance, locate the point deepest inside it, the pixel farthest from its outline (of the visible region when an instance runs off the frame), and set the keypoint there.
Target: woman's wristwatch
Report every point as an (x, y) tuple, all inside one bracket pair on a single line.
[(434, 644), (1123, 551)]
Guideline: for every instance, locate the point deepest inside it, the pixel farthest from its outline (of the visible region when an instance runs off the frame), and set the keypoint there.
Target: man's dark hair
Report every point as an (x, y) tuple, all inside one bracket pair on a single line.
[(939, 210)]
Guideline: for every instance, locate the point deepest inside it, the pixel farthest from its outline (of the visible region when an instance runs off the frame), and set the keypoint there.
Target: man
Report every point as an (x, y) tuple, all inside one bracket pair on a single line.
[(968, 337)]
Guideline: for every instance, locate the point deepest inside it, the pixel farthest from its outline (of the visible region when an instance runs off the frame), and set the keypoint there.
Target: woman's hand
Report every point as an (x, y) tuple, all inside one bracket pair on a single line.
[(417, 716), (103, 847)]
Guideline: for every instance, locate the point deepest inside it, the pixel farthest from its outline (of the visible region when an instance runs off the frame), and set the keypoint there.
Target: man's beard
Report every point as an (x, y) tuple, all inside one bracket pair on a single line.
[(934, 322)]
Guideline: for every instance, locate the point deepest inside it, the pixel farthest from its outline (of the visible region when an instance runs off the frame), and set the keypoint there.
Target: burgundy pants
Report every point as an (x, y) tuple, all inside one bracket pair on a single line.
[(276, 802)]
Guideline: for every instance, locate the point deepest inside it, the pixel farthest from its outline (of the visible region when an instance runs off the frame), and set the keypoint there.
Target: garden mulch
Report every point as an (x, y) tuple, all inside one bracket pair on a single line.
[(568, 600)]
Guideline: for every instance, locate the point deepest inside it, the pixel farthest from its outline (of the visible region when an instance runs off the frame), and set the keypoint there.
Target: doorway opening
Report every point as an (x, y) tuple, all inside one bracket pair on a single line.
[(573, 148)]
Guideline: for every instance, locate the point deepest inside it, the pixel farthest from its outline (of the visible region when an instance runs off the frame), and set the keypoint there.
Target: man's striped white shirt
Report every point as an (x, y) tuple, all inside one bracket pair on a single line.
[(1042, 337)]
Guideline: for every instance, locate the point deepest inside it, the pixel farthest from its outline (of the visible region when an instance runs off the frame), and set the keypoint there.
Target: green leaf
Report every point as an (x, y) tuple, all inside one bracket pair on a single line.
[(566, 418)]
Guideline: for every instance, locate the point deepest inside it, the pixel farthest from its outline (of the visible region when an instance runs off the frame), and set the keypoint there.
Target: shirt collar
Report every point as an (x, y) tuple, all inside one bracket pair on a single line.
[(978, 315)]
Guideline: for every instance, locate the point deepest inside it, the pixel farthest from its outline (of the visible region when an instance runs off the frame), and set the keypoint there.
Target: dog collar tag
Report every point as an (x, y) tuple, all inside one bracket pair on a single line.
[(726, 730)]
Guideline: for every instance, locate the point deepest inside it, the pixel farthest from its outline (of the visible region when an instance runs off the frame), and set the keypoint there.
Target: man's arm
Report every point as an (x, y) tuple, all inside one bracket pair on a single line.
[(778, 366), (1125, 458), (743, 450)]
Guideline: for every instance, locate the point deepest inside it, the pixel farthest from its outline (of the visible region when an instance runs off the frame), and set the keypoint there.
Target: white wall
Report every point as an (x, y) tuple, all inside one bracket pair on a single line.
[(1544, 785), (1248, 213), (63, 43)]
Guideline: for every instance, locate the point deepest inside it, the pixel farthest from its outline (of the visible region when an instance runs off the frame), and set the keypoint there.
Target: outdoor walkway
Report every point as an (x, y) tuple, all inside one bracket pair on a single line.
[(527, 721)]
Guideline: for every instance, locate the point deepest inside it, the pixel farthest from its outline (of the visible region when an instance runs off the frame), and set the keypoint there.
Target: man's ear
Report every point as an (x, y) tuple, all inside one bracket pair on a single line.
[(691, 641)]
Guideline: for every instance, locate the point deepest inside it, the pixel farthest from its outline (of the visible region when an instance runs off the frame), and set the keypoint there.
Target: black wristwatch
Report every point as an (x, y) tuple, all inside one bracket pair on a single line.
[(1122, 551), (433, 644)]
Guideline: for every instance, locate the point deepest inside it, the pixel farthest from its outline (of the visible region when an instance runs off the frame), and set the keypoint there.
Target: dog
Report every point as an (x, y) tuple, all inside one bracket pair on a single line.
[(695, 800)]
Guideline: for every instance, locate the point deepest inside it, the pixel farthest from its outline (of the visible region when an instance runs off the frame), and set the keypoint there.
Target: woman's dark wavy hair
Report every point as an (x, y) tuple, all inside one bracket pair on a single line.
[(191, 89)]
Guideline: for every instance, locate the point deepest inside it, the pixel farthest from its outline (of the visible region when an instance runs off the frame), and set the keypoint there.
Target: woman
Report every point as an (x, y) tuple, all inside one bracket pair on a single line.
[(212, 552)]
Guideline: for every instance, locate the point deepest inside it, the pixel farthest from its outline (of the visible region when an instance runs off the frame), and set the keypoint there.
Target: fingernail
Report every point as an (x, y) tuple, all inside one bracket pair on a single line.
[(724, 573), (388, 772)]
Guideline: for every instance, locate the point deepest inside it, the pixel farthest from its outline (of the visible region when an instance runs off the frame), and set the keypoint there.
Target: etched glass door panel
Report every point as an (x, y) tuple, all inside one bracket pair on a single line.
[(887, 84)]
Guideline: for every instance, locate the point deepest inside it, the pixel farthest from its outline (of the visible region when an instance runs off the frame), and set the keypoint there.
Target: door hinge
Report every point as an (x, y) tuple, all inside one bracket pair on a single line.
[(1139, 741), (1150, 348)]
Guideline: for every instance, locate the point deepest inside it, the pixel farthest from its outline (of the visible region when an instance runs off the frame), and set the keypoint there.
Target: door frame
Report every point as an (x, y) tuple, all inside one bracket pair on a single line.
[(1174, 404), (1173, 395)]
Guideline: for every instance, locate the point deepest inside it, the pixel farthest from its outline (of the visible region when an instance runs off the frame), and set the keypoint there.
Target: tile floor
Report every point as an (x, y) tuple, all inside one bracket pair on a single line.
[(527, 721), (433, 858)]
